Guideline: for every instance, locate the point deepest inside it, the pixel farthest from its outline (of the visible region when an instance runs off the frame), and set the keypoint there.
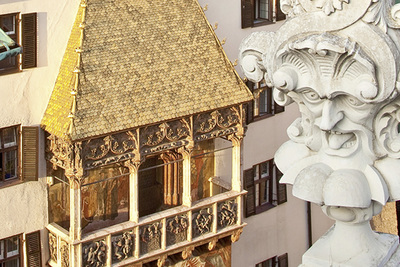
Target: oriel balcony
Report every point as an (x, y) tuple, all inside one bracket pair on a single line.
[(142, 195)]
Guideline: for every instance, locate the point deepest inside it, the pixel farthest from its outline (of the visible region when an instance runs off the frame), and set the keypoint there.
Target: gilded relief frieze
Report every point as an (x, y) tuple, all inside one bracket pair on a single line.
[(96, 152), (165, 132), (59, 152), (217, 123), (109, 149)]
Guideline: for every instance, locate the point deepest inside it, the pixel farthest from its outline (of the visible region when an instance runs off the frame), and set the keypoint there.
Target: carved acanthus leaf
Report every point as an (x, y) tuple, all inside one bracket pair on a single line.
[(330, 6), (387, 128), (377, 14)]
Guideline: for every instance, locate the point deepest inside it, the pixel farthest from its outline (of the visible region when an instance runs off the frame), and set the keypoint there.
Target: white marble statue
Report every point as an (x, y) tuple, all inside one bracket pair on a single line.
[(339, 61)]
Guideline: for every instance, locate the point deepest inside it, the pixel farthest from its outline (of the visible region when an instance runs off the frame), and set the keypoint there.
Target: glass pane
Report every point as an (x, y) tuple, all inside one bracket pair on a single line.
[(59, 200), (10, 164), (257, 194), (264, 9), (10, 137), (1, 250), (264, 169), (12, 263), (12, 246), (256, 172), (263, 193), (8, 24), (263, 102)]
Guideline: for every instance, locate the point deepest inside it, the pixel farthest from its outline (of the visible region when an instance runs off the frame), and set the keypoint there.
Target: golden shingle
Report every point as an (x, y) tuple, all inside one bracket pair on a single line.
[(142, 62)]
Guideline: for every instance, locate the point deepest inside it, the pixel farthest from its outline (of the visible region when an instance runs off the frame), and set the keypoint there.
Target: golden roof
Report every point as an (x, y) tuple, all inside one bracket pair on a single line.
[(131, 63)]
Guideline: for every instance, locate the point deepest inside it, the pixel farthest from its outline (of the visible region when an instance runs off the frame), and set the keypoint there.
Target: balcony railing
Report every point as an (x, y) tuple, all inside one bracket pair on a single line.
[(156, 236)]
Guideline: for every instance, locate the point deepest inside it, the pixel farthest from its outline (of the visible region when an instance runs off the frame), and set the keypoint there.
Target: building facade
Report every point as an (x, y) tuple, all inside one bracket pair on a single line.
[(89, 179), (281, 226)]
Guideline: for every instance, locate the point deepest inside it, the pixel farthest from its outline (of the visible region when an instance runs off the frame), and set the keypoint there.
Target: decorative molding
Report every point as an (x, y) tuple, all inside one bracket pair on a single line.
[(236, 235), (53, 247), (110, 149), (216, 123), (64, 251), (212, 244), (123, 246), (161, 260), (227, 213), (165, 132), (187, 252), (76, 157), (94, 254)]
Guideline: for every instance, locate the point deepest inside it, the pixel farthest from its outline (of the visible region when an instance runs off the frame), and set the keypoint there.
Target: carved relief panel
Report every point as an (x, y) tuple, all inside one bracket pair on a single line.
[(202, 221), (94, 254), (177, 229), (227, 213), (123, 245), (150, 237)]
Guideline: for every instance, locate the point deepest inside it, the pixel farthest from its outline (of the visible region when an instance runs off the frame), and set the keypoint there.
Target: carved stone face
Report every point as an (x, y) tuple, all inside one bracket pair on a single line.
[(342, 120)]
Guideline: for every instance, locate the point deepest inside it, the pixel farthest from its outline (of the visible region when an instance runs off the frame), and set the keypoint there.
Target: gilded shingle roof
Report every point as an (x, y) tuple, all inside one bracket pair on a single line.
[(140, 62)]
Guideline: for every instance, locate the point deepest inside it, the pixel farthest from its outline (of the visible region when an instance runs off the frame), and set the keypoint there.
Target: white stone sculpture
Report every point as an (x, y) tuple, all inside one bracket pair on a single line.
[(339, 60)]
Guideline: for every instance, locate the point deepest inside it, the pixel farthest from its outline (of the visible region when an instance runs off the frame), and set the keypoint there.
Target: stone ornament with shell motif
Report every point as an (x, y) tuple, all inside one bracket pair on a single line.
[(339, 61)]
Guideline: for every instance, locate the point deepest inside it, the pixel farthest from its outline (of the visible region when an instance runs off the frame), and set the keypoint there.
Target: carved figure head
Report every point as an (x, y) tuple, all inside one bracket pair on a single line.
[(345, 81)]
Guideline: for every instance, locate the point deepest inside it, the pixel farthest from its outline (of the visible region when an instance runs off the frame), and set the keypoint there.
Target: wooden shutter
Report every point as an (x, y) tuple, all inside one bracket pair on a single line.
[(283, 260), (250, 105), (279, 14), (29, 41), (250, 199), (278, 108), (281, 188), (247, 13), (30, 153), (33, 249)]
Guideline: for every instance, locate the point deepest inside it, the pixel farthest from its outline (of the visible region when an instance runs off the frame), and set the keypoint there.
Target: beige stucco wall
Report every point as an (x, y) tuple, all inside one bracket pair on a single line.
[(282, 229), (23, 99)]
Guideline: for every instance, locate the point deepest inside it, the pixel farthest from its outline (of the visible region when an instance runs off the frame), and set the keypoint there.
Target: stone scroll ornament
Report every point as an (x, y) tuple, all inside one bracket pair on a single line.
[(339, 61)]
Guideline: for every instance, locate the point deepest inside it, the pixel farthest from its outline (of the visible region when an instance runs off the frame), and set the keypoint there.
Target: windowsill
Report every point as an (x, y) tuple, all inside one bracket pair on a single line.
[(261, 117), (10, 182), (9, 71), (264, 207), (261, 22)]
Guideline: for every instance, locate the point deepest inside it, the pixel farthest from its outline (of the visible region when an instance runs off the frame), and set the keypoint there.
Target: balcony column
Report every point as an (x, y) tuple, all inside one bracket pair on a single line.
[(236, 139), (133, 166), (186, 152), (75, 216)]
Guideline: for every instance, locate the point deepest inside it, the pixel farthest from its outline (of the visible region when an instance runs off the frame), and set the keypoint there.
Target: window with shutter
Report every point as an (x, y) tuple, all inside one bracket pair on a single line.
[(30, 153), (283, 260), (10, 25), (10, 251), (264, 190), (247, 13), (29, 41), (263, 104), (33, 249), (9, 151), (250, 196), (260, 12)]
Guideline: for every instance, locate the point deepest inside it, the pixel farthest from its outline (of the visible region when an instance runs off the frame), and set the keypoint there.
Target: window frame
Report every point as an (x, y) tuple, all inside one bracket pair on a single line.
[(251, 13), (3, 150), (3, 250), (271, 107), (15, 67), (276, 195), (276, 261)]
